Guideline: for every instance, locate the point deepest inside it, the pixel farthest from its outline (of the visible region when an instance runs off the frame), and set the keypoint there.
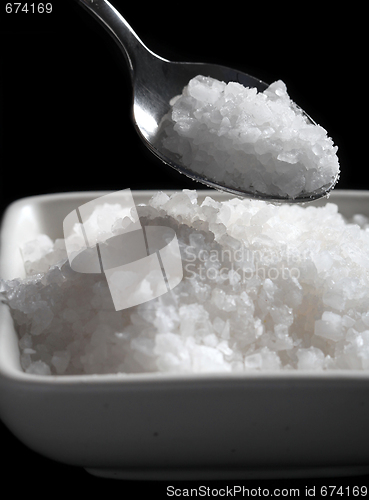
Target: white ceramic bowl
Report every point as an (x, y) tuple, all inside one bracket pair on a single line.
[(176, 426)]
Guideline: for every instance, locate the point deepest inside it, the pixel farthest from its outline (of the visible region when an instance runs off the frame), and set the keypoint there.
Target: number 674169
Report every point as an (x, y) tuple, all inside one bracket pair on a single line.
[(25, 8)]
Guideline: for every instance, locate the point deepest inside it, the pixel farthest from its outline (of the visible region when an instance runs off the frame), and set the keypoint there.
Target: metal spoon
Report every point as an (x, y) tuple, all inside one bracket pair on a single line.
[(156, 81)]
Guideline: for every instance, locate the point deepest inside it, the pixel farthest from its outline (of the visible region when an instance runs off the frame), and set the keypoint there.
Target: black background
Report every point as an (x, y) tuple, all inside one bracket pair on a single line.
[(66, 121)]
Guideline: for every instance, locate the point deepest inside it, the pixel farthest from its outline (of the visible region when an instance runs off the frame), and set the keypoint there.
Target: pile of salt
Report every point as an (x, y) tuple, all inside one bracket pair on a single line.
[(265, 288), (259, 142)]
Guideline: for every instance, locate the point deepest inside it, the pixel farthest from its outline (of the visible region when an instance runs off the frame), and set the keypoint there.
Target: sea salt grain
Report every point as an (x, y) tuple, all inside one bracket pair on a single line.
[(265, 288), (258, 142)]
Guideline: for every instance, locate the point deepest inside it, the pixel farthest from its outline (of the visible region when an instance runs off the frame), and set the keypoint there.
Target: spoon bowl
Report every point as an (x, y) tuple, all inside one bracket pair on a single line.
[(156, 81)]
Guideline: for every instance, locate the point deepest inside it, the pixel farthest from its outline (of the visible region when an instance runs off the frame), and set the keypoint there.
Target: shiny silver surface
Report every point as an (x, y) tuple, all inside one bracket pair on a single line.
[(156, 81)]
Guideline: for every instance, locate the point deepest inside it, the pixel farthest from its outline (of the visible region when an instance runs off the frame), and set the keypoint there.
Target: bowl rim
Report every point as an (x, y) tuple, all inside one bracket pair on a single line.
[(71, 195)]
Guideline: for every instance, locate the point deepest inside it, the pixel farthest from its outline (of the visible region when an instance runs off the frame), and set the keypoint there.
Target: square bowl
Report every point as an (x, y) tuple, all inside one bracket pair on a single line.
[(273, 424)]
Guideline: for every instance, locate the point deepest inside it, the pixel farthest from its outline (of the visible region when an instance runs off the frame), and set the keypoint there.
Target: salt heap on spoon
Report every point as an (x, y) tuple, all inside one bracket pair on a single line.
[(258, 142)]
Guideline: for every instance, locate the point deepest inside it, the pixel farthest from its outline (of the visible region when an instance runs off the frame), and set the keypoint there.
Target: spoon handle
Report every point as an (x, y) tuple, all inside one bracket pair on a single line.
[(121, 31)]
